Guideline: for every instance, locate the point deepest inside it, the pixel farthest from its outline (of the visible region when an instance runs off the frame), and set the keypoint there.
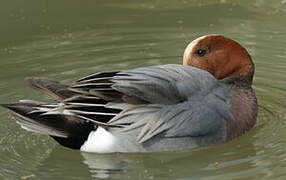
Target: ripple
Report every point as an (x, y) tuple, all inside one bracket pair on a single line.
[(140, 40)]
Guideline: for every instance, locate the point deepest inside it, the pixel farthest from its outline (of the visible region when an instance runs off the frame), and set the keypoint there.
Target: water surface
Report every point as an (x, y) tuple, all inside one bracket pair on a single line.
[(69, 39)]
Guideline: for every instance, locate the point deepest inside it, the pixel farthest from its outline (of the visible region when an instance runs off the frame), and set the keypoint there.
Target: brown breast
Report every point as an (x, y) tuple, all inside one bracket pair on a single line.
[(244, 110)]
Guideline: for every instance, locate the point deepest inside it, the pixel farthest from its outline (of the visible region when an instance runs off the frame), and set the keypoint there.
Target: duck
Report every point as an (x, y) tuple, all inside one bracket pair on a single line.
[(207, 100)]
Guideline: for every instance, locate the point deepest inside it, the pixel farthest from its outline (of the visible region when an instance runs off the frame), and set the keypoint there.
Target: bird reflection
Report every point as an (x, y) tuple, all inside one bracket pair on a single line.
[(105, 165), (215, 160), (226, 157)]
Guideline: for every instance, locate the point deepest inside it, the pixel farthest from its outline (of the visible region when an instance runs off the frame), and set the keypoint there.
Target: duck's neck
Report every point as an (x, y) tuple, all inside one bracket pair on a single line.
[(244, 110), (239, 81)]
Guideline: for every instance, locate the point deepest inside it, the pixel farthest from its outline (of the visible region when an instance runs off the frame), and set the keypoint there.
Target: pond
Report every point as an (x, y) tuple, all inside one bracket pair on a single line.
[(65, 40)]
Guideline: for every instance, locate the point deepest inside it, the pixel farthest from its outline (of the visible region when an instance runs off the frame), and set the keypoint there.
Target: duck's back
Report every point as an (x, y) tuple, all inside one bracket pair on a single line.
[(158, 108), (180, 107)]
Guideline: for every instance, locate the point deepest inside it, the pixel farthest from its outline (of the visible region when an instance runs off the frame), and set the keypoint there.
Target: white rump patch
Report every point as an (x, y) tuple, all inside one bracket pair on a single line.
[(99, 141)]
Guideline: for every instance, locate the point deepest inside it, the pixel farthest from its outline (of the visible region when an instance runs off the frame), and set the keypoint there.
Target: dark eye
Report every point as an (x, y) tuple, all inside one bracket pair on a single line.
[(201, 52)]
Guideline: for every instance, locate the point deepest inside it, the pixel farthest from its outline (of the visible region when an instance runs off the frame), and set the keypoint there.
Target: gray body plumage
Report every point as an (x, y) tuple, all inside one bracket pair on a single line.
[(187, 108), (157, 108)]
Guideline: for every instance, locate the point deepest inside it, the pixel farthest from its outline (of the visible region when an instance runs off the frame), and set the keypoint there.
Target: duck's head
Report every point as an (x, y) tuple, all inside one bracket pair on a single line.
[(220, 56)]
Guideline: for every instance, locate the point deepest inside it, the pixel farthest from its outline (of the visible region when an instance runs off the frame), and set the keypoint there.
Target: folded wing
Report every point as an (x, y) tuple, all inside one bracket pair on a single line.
[(168, 100)]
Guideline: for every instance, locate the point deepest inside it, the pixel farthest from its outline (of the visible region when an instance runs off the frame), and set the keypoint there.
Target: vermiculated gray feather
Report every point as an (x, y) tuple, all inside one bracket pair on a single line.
[(167, 101), (184, 101)]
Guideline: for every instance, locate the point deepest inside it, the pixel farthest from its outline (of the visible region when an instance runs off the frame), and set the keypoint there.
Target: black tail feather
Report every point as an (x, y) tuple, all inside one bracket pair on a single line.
[(67, 130)]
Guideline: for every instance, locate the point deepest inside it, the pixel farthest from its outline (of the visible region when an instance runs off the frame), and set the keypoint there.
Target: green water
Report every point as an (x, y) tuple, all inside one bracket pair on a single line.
[(67, 39)]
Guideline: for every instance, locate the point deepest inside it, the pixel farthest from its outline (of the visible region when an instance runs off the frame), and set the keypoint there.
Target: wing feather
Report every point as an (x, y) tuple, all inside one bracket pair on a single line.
[(167, 101)]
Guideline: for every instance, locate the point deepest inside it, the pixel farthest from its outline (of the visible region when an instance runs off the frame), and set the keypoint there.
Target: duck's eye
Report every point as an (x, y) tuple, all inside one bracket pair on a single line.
[(201, 52)]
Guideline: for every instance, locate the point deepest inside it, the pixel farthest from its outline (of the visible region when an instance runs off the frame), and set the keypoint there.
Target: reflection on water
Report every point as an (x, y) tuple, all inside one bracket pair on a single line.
[(105, 166), (194, 163), (70, 39)]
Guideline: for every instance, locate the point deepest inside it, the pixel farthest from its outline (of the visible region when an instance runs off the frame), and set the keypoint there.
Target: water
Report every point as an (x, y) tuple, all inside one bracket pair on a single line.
[(69, 39)]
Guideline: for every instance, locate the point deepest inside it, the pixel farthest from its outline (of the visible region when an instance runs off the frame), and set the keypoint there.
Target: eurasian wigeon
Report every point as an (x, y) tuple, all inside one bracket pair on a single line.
[(170, 107)]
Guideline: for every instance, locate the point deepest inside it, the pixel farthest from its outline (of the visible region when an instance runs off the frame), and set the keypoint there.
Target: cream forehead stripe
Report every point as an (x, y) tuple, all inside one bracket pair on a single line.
[(190, 47)]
